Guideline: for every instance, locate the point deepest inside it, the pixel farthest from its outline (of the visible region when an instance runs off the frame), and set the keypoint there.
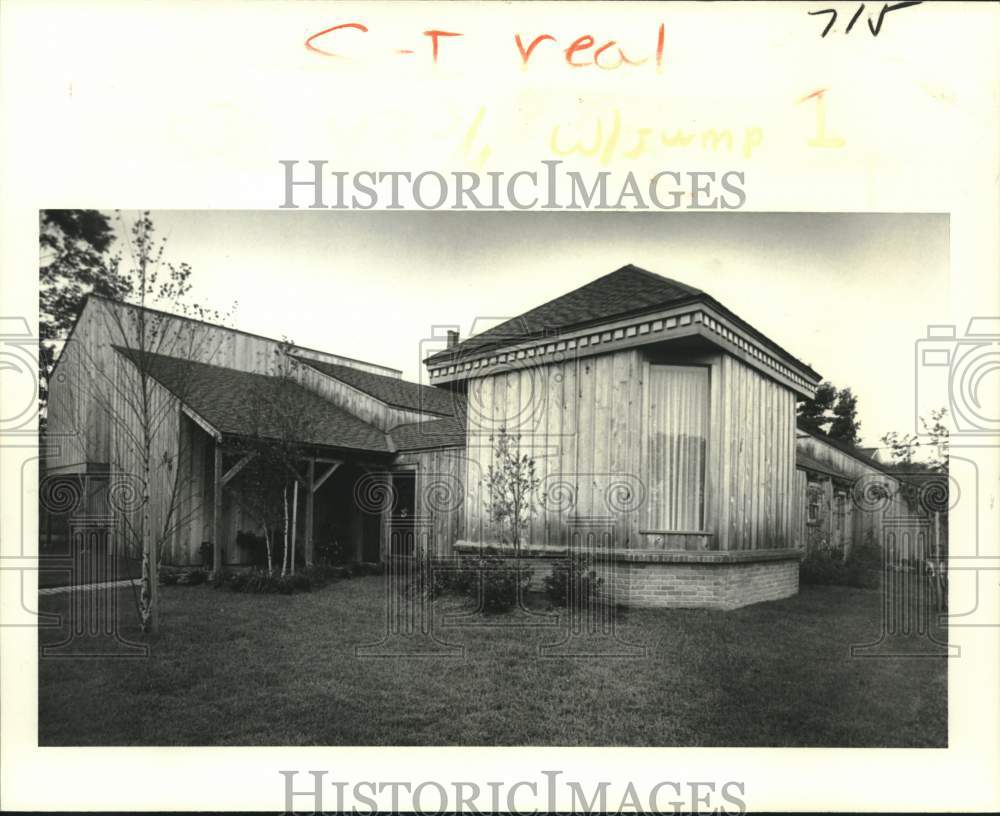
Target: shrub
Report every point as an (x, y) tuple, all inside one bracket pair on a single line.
[(827, 566), (495, 583), (329, 551), (573, 578), (168, 576), (260, 582), (490, 581), (194, 576)]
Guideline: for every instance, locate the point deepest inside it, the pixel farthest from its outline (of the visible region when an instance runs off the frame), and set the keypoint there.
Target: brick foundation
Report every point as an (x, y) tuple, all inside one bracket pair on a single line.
[(715, 580)]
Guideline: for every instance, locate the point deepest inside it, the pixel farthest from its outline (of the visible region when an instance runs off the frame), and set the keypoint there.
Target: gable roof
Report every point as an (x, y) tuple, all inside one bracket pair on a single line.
[(242, 404), (621, 292), (390, 390), (627, 291), (434, 433)]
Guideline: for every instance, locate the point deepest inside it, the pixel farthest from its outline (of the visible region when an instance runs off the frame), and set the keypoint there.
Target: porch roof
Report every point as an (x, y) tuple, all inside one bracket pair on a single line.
[(237, 403)]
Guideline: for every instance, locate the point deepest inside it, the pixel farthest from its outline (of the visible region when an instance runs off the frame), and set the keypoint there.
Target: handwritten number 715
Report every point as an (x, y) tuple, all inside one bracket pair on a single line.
[(875, 27)]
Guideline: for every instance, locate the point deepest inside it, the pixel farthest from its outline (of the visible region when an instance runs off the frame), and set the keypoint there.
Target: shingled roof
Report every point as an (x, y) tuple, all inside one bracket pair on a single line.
[(390, 390), (433, 433), (627, 291), (243, 404)]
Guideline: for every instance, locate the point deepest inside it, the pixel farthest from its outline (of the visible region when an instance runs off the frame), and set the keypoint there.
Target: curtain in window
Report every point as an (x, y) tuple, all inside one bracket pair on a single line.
[(676, 447)]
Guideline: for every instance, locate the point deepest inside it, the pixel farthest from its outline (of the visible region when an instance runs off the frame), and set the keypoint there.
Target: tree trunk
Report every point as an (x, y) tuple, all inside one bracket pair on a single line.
[(284, 554), (295, 510), (267, 547)]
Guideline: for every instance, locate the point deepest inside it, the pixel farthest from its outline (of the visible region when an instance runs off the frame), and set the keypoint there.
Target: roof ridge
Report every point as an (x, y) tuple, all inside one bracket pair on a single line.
[(662, 278)]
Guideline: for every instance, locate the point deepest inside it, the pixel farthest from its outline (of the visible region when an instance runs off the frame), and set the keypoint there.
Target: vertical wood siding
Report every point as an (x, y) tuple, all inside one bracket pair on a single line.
[(608, 434), (440, 495), (754, 486), (865, 518)]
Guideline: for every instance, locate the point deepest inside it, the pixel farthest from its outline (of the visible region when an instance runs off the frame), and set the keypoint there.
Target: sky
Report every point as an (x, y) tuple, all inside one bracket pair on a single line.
[(849, 294)]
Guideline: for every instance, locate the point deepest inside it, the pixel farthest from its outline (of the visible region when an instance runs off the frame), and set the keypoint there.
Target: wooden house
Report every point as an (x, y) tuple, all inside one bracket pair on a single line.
[(661, 423), (210, 389), (846, 497)]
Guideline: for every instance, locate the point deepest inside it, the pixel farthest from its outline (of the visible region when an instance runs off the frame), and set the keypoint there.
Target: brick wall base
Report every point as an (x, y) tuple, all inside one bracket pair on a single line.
[(713, 585), (645, 578)]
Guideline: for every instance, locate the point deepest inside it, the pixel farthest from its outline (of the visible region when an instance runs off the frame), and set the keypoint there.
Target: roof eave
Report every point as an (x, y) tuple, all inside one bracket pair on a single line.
[(700, 315)]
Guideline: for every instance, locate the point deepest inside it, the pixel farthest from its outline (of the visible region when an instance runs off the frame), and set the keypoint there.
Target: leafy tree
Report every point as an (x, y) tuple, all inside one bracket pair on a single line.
[(901, 448), (938, 433), (513, 487), (813, 414), (74, 261), (845, 425)]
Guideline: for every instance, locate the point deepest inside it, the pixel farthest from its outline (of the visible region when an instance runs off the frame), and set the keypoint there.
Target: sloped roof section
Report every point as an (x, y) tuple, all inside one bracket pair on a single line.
[(625, 291), (433, 433), (391, 390), (807, 462), (844, 447), (242, 404)]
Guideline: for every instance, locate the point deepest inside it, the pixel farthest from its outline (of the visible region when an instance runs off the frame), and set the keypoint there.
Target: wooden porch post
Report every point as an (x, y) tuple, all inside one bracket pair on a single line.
[(310, 497), (217, 513)]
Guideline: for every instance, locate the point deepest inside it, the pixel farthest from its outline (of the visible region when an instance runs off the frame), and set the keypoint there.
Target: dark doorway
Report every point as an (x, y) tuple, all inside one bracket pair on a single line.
[(401, 520)]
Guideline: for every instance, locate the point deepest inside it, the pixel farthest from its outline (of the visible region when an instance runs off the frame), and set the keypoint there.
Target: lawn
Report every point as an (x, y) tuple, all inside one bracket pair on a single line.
[(237, 669)]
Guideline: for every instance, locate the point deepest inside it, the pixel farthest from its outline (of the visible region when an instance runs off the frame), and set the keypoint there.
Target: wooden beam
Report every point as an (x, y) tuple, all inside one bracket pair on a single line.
[(231, 473), (310, 500), (318, 483), (294, 471), (202, 423), (217, 513)]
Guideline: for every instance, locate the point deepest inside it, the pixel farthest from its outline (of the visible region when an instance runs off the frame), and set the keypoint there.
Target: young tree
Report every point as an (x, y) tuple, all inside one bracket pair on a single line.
[(814, 414), (845, 425), (74, 260), (276, 446), (512, 485), (137, 407)]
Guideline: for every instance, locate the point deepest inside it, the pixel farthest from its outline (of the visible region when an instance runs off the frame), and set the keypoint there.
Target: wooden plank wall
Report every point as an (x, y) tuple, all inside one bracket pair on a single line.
[(78, 428), (440, 494), (865, 520), (584, 421), (126, 455), (754, 488), (581, 420)]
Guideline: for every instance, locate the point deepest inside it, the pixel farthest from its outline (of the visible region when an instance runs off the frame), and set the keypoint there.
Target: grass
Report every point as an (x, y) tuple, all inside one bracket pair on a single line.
[(235, 669)]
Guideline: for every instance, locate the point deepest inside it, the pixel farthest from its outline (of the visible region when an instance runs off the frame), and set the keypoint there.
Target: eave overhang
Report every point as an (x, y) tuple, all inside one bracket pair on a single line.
[(689, 320)]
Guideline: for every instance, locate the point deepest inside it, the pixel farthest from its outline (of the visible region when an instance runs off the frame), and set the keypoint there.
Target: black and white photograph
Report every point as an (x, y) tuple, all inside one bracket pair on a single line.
[(499, 407), (565, 499)]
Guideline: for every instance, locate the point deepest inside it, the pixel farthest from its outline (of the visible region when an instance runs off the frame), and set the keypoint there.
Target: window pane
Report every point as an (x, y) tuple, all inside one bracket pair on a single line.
[(678, 431)]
